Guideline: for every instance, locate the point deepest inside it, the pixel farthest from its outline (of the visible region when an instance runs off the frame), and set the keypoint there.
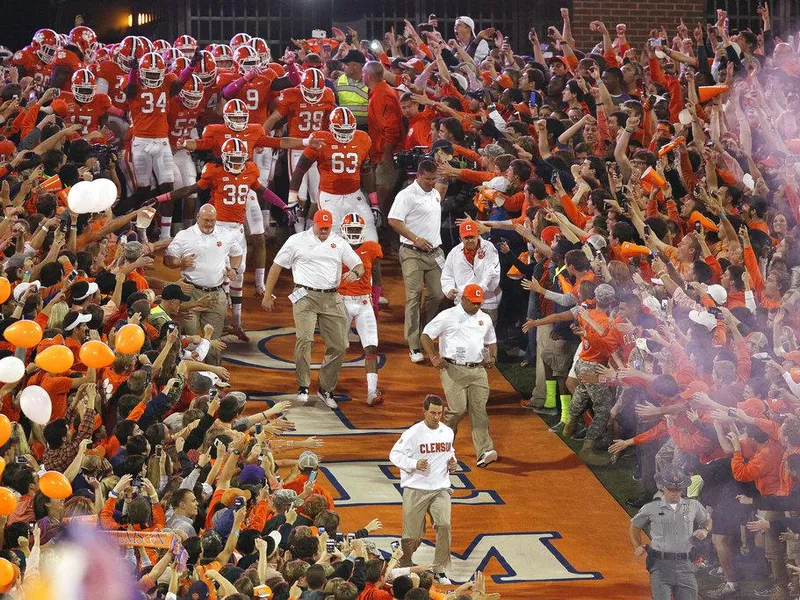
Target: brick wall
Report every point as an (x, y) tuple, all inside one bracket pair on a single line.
[(640, 17)]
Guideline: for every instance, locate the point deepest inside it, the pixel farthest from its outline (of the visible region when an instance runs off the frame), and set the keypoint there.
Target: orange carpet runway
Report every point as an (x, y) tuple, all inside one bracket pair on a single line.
[(537, 520)]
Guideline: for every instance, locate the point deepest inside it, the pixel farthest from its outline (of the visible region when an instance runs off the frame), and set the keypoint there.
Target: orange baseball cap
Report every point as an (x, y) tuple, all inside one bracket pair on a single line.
[(474, 293), (7, 148), (468, 229), (324, 218), (549, 234)]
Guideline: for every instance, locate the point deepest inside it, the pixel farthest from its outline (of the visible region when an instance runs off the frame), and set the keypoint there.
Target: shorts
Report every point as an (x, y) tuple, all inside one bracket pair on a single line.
[(185, 171), (309, 187), (253, 215), (360, 309), (342, 204), (575, 360), (153, 163), (559, 356)]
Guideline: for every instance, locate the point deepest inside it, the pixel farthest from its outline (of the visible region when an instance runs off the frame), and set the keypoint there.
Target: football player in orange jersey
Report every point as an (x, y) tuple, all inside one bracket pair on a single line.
[(36, 60), (236, 124), (71, 57), (112, 75), (357, 297), (306, 109), (148, 90), (182, 115), (253, 84), (231, 184), (84, 105)]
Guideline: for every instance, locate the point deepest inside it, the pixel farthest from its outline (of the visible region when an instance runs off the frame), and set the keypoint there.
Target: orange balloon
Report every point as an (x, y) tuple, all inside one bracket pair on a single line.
[(8, 501), (24, 334), (130, 339), (96, 355), (2, 466), (54, 485), (7, 573), (5, 429), (5, 289), (55, 359)]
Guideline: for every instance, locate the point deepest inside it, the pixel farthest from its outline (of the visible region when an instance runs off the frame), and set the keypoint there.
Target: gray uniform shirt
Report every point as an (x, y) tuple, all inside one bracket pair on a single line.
[(671, 530)]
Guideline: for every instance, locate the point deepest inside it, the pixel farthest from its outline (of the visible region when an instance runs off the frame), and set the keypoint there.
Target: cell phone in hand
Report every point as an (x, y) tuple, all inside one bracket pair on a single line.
[(395, 545), (647, 230), (698, 227), (312, 477), (330, 545)]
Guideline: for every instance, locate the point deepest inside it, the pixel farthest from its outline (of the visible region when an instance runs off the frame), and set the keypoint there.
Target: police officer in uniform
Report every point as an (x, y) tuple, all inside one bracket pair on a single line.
[(351, 92), (673, 522)]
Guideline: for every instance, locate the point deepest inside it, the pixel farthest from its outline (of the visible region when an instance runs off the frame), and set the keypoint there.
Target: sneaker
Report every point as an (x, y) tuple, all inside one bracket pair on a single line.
[(442, 579), (327, 398), (725, 590), (487, 458), (239, 333), (541, 410), (769, 591), (637, 502), (637, 472), (375, 398), (302, 394), (416, 356), (557, 428)]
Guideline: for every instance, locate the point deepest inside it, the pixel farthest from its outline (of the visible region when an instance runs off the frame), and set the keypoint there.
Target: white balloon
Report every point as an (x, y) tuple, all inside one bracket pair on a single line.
[(35, 404), (79, 198), (685, 117), (11, 369), (104, 194)]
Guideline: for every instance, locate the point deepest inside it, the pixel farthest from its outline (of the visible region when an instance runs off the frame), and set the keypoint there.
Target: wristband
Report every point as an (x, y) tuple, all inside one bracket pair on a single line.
[(293, 197), (45, 229), (306, 141), (163, 197), (113, 494)]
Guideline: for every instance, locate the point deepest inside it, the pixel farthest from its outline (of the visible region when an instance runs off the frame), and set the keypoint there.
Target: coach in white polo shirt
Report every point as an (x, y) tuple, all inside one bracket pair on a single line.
[(467, 347), (416, 215), (474, 260), (204, 253), (315, 257), (425, 456)]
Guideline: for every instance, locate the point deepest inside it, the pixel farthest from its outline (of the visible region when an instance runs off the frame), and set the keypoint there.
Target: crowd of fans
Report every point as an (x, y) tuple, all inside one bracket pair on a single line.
[(644, 203)]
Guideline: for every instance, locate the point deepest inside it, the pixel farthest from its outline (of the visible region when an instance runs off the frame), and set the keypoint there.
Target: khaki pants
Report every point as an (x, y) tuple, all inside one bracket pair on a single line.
[(416, 505), (467, 391), (214, 316), (420, 272), (328, 310)]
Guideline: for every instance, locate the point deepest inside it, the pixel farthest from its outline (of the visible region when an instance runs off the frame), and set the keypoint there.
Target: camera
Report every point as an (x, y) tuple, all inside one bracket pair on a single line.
[(238, 503), (102, 153), (409, 160), (395, 545)]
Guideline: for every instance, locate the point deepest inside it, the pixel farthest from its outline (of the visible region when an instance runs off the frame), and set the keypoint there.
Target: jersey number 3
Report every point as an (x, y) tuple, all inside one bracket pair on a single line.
[(344, 163)]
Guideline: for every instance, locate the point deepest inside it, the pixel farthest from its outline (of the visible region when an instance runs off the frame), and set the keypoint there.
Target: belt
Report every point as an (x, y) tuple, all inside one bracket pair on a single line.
[(462, 364), (328, 291), (202, 288), (669, 555), (413, 247)]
